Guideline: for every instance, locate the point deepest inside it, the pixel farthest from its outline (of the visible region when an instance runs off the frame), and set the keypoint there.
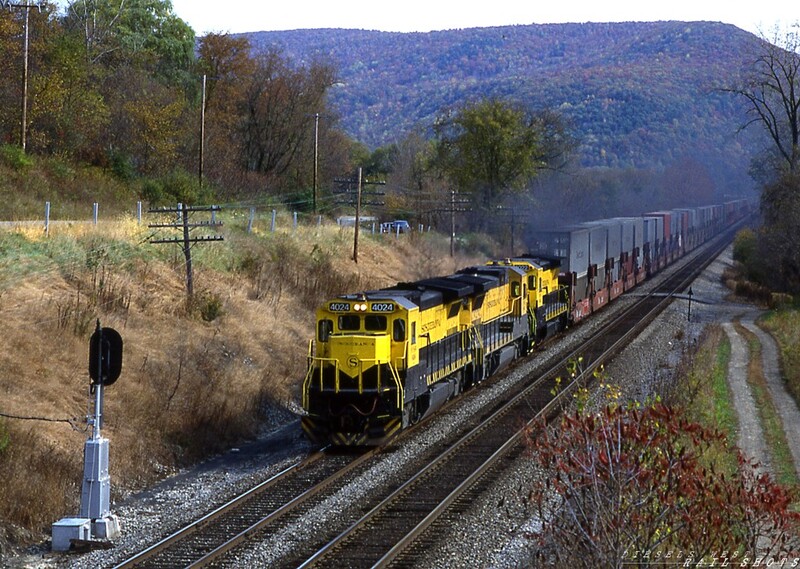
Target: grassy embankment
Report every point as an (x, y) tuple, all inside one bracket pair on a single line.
[(195, 378), (771, 423), (711, 404), (706, 394)]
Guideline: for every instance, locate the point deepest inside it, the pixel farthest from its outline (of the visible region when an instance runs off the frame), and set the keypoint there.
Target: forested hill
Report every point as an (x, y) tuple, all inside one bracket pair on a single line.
[(639, 94)]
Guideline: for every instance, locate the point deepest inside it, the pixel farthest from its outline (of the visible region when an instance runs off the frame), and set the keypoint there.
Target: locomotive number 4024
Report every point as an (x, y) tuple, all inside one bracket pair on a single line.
[(382, 307)]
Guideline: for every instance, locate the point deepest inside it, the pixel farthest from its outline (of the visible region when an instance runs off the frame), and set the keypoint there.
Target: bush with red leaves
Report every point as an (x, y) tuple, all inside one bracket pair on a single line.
[(639, 487)]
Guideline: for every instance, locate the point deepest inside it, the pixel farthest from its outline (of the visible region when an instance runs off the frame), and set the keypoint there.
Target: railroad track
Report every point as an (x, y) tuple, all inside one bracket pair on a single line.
[(400, 515), (232, 523), (396, 531)]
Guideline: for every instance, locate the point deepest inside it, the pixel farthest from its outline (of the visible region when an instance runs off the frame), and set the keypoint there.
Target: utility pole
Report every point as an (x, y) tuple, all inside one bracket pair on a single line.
[(186, 241), (513, 214), (452, 223), (358, 217), (26, 42), (316, 159), (202, 131), (357, 193), (459, 205)]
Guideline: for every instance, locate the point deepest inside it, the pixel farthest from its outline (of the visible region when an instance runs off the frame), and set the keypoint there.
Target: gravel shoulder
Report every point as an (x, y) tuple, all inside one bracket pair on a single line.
[(784, 402)]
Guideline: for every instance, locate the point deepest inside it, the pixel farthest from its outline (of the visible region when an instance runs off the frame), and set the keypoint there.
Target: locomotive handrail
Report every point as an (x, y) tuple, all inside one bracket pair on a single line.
[(320, 368), (335, 362), (398, 382)]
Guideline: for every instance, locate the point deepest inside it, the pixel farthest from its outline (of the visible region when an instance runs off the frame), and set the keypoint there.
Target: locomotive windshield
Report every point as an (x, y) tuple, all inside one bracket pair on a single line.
[(372, 323), (349, 322)]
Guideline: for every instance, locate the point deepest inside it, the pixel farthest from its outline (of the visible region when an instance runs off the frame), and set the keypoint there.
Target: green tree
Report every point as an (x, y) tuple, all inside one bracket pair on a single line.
[(141, 33), (68, 113), (492, 148)]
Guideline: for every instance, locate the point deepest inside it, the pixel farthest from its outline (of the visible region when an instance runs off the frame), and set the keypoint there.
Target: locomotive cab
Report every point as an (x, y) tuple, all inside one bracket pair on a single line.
[(547, 301), (353, 392)]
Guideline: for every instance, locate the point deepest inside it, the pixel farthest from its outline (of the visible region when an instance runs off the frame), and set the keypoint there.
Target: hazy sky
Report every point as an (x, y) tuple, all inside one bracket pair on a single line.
[(426, 15)]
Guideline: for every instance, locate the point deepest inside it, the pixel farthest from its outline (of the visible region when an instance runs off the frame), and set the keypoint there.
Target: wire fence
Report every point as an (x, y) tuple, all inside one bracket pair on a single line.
[(250, 217)]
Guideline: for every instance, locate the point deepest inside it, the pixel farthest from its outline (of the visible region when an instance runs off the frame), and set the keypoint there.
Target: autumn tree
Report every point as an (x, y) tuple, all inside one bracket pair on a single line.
[(687, 182), (772, 93), (413, 187), (227, 65), (640, 487), (277, 118)]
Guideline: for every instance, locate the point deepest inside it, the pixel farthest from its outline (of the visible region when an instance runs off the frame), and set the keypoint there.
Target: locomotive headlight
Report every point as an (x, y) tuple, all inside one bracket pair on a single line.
[(360, 307)]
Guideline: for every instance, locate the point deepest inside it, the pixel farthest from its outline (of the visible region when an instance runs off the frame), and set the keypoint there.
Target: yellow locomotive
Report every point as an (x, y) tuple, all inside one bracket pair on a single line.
[(384, 359)]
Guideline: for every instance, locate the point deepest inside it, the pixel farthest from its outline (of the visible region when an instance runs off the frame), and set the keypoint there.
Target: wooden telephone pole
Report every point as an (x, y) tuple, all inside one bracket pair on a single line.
[(26, 41), (353, 188), (186, 241)]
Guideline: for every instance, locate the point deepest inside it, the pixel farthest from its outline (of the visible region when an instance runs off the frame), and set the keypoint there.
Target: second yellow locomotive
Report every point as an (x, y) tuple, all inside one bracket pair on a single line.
[(384, 359)]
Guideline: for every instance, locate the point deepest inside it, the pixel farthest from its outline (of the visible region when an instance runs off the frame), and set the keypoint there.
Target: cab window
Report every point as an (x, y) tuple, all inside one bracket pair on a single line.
[(515, 289), (349, 322), (399, 330), (325, 329), (375, 323)]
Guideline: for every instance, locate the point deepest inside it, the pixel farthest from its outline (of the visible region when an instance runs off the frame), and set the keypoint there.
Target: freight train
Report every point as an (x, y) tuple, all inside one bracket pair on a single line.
[(385, 359)]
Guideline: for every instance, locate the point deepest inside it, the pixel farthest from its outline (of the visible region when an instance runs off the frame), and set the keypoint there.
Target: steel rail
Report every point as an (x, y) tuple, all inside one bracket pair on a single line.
[(708, 253), (214, 514)]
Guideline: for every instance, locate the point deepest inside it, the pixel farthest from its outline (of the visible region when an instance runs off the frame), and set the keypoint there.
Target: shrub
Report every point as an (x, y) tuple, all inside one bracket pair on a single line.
[(14, 157), (209, 305), (177, 187), (631, 485), (744, 246), (122, 166)]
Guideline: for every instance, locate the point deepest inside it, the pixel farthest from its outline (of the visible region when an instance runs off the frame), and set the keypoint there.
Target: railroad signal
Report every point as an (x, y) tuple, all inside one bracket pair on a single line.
[(95, 524), (105, 356)]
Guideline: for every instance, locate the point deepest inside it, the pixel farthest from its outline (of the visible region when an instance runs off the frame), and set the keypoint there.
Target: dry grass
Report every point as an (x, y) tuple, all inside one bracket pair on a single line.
[(749, 291), (194, 380), (785, 328)]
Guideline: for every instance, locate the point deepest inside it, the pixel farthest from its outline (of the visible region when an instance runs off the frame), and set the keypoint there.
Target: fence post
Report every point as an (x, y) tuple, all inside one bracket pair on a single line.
[(319, 221), (250, 220), (95, 207), (272, 227), (47, 218), (294, 221), (139, 213)]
